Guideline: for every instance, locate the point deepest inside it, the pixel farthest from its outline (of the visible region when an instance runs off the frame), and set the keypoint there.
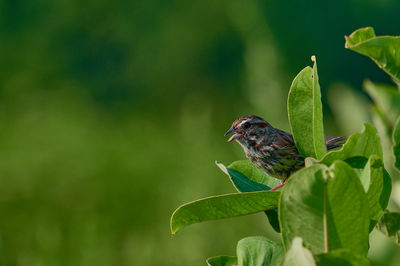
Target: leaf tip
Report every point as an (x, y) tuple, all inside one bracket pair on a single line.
[(222, 167), (359, 36), (172, 222), (313, 58), (174, 229), (346, 41)]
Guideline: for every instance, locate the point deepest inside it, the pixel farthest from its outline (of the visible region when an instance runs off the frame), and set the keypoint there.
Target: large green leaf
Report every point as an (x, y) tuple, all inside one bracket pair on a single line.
[(298, 255), (389, 224), (396, 143), (342, 257), (387, 100), (259, 251), (222, 261), (379, 189), (376, 182), (305, 113), (328, 208), (245, 177), (223, 206), (362, 144), (249, 170), (383, 50)]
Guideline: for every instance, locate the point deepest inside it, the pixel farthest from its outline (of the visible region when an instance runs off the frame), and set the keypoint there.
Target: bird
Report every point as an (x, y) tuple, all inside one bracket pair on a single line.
[(270, 149)]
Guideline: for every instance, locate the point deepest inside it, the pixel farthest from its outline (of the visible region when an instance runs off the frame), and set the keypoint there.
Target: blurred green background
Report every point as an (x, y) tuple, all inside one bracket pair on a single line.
[(112, 114)]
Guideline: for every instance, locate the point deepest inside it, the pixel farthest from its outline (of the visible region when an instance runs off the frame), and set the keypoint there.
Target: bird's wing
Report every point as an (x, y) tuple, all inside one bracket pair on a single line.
[(284, 139), (333, 142)]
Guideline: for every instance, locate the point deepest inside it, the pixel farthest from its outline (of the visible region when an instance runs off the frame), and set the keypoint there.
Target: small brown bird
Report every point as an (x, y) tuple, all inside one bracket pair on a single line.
[(270, 149)]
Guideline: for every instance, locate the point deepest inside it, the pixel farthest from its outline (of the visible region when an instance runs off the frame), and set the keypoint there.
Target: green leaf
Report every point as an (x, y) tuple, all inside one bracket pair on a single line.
[(362, 144), (310, 161), (359, 36), (298, 255), (389, 224), (379, 189), (387, 100), (359, 165), (273, 219), (222, 261), (328, 208), (258, 250), (245, 177), (223, 206), (383, 50), (305, 113), (241, 182), (249, 170), (376, 183), (396, 144), (342, 257)]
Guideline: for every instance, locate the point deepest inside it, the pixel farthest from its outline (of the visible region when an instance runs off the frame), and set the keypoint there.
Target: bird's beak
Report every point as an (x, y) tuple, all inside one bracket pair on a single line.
[(230, 130), (234, 136)]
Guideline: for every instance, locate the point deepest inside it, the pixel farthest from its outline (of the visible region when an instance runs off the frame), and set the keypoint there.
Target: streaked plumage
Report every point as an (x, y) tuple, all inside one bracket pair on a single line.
[(270, 149)]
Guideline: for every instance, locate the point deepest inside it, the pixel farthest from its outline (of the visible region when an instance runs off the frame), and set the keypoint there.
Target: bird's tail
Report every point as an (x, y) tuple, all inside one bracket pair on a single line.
[(334, 142)]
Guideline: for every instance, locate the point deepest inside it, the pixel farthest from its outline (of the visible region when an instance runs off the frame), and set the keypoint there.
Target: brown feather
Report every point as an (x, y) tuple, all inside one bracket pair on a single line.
[(270, 149)]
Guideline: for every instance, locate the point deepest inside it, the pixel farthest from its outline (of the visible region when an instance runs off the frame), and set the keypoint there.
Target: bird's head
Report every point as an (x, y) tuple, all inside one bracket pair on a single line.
[(248, 128)]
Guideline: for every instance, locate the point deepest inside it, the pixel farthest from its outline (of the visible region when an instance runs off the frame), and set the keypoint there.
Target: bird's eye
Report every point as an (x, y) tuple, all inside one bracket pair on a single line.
[(246, 125)]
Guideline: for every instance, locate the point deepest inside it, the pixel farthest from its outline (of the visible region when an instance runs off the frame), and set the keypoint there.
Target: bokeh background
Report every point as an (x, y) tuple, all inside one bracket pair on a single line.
[(112, 114)]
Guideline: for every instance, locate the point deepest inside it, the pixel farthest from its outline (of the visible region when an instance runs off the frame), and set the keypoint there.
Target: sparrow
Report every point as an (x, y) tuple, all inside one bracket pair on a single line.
[(270, 149)]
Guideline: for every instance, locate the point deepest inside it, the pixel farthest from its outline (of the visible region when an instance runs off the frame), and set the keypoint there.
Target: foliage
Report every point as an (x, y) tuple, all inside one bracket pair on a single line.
[(387, 102), (396, 143), (305, 113), (222, 261), (298, 254), (390, 225), (224, 206), (244, 179), (362, 144), (258, 250), (343, 257), (383, 50), (327, 209)]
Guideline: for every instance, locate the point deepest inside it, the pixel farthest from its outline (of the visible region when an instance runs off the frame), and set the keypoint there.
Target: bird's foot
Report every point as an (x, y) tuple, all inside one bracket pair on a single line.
[(278, 187)]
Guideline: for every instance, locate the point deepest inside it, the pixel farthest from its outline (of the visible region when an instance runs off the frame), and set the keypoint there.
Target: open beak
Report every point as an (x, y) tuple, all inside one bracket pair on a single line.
[(235, 136)]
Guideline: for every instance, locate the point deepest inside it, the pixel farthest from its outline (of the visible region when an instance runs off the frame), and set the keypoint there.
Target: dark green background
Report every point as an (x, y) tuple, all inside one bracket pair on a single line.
[(113, 112)]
